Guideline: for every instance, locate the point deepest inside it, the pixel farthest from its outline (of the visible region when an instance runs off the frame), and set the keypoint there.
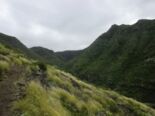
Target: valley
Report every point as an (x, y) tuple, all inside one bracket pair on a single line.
[(114, 76)]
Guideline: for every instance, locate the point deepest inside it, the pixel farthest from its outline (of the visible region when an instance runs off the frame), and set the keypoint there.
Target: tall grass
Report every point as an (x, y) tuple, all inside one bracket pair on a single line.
[(38, 102), (4, 66), (66, 95), (3, 50)]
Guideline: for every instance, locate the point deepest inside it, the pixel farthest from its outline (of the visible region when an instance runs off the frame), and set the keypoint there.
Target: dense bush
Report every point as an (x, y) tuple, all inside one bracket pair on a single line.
[(4, 66), (3, 50), (42, 66)]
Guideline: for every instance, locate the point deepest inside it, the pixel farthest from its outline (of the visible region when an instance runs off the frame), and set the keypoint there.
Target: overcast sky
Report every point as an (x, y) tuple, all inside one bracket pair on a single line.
[(68, 24)]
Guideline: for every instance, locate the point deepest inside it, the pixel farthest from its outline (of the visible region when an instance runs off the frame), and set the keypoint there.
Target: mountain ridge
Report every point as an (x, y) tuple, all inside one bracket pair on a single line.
[(119, 59), (37, 52), (14, 43), (37, 89)]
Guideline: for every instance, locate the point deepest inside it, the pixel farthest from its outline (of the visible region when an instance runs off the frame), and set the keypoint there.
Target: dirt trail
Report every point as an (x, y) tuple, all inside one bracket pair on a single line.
[(9, 91)]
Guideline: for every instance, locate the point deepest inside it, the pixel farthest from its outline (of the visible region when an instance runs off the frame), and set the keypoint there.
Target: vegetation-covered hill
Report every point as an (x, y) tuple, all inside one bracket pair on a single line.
[(67, 56), (47, 56), (14, 43), (43, 54), (30, 88), (55, 58), (123, 59)]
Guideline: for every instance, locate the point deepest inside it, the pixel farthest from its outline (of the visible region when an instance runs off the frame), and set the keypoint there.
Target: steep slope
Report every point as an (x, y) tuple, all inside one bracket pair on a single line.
[(14, 43), (38, 90), (123, 59)]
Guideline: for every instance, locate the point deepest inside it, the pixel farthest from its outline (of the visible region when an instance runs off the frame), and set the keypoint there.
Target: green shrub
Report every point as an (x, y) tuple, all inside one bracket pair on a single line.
[(16, 61), (4, 66), (42, 66), (24, 61), (3, 50)]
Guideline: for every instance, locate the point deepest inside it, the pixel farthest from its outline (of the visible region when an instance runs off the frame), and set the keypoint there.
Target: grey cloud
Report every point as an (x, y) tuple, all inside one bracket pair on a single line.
[(68, 24)]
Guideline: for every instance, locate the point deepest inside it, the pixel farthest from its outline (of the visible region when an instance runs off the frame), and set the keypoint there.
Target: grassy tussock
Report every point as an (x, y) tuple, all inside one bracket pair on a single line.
[(3, 50), (39, 102), (68, 96), (4, 66), (65, 98)]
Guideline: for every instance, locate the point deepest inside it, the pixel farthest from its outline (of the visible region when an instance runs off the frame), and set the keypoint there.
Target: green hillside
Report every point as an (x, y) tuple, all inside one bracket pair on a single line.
[(43, 54), (123, 59), (67, 56), (30, 88), (14, 43), (59, 59), (47, 56)]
